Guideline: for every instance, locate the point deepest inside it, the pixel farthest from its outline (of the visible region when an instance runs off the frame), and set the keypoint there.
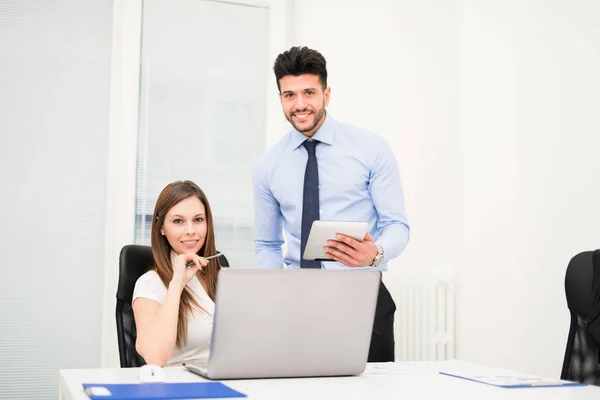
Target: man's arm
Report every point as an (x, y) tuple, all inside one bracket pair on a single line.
[(268, 237), (386, 191)]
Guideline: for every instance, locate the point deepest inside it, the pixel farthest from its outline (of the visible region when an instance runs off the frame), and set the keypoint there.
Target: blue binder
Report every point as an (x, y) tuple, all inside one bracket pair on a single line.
[(160, 391), (514, 381)]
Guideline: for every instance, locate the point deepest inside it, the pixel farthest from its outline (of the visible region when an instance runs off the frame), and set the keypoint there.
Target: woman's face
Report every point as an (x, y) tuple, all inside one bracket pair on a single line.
[(185, 226)]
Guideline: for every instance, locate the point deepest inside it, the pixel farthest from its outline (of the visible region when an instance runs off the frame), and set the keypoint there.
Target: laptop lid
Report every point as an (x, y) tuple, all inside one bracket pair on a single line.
[(292, 322)]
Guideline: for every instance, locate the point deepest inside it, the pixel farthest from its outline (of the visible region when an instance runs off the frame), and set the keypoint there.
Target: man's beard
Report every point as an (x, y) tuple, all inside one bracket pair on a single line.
[(318, 118)]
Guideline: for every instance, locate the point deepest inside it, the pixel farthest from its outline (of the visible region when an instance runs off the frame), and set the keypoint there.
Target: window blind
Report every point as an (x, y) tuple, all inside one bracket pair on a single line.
[(202, 111), (54, 108)]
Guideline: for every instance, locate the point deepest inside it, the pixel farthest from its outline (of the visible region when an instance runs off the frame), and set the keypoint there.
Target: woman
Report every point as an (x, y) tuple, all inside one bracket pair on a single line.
[(173, 304)]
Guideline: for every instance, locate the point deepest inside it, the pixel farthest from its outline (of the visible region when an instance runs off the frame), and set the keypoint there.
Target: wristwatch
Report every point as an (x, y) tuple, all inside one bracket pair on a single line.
[(379, 257)]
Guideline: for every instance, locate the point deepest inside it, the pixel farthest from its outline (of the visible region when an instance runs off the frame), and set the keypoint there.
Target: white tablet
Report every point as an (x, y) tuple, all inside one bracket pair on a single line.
[(322, 231)]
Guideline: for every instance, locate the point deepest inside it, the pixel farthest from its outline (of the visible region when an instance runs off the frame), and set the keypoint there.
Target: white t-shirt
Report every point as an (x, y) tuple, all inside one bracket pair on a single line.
[(200, 323)]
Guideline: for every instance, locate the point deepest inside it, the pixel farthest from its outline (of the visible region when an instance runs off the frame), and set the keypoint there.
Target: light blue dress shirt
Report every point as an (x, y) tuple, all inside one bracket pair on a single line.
[(358, 181)]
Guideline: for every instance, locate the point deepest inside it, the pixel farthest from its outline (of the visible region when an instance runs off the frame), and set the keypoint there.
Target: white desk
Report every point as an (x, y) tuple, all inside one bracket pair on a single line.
[(416, 381)]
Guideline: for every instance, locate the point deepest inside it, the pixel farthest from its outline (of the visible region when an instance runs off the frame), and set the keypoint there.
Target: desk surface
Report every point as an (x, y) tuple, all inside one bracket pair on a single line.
[(418, 380)]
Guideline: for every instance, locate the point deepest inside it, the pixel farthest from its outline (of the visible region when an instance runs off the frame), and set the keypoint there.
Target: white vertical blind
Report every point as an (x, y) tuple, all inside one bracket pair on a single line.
[(54, 108), (205, 66)]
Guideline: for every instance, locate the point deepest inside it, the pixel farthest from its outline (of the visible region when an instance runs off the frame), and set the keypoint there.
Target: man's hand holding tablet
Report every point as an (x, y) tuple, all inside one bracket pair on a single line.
[(346, 242)]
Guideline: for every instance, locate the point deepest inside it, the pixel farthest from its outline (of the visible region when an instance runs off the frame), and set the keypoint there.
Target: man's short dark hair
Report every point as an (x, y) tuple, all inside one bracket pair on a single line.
[(300, 60)]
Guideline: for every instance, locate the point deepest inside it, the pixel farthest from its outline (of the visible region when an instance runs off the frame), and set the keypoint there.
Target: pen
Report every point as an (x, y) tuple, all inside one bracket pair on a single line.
[(215, 256), (191, 263)]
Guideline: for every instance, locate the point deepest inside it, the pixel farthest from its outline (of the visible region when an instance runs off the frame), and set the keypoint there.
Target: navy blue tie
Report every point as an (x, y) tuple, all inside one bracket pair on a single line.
[(310, 204)]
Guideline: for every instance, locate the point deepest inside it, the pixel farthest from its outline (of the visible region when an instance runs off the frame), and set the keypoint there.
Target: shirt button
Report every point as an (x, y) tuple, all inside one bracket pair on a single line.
[(320, 211)]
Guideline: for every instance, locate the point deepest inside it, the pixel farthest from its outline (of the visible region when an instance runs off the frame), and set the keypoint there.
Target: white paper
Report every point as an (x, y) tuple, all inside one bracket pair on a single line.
[(388, 368)]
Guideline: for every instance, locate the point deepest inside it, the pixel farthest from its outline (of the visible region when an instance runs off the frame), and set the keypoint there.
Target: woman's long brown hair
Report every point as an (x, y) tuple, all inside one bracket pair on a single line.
[(161, 250)]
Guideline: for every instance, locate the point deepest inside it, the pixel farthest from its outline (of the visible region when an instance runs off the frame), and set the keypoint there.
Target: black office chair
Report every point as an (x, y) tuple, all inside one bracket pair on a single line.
[(134, 261), (581, 356)]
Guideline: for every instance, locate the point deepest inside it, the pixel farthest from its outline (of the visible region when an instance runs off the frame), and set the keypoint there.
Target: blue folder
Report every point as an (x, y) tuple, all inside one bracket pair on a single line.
[(514, 381), (160, 391)]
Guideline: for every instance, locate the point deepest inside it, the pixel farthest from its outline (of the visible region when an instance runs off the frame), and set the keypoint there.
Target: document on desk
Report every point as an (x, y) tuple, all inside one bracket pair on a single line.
[(159, 391), (514, 381), (388, 368)]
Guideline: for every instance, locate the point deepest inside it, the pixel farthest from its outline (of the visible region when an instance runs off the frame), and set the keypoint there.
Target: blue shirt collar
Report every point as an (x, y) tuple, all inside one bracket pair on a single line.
[(325, 134)]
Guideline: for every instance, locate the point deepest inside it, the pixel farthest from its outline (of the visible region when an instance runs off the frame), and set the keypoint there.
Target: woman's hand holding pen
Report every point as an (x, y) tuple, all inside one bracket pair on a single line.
[(182, 274)]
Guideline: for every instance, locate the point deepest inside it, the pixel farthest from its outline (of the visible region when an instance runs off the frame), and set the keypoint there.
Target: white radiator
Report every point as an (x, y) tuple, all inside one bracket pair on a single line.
[(424, 319)]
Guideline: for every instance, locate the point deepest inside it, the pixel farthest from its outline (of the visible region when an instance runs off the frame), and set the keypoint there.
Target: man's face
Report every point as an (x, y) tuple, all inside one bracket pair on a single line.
[(304, 100)]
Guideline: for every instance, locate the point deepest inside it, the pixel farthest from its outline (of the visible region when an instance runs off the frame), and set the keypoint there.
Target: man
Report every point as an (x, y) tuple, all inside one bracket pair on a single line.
[(323, 169)]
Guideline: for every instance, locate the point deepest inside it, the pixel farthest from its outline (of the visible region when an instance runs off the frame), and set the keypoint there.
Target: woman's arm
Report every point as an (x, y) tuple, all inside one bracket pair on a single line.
[(156, 323)]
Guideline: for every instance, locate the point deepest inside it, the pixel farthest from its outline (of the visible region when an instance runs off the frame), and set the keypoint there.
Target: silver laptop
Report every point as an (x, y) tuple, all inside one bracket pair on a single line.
[(291, 323)]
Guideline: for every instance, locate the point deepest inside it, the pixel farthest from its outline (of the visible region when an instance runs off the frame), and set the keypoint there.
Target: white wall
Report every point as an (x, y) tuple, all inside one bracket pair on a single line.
[(393, 69), (529, 133), (490, 108), (122, 160)]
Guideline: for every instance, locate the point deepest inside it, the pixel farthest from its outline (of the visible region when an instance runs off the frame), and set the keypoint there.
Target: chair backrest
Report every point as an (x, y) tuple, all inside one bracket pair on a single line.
[(134, 261), (581, 356)]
